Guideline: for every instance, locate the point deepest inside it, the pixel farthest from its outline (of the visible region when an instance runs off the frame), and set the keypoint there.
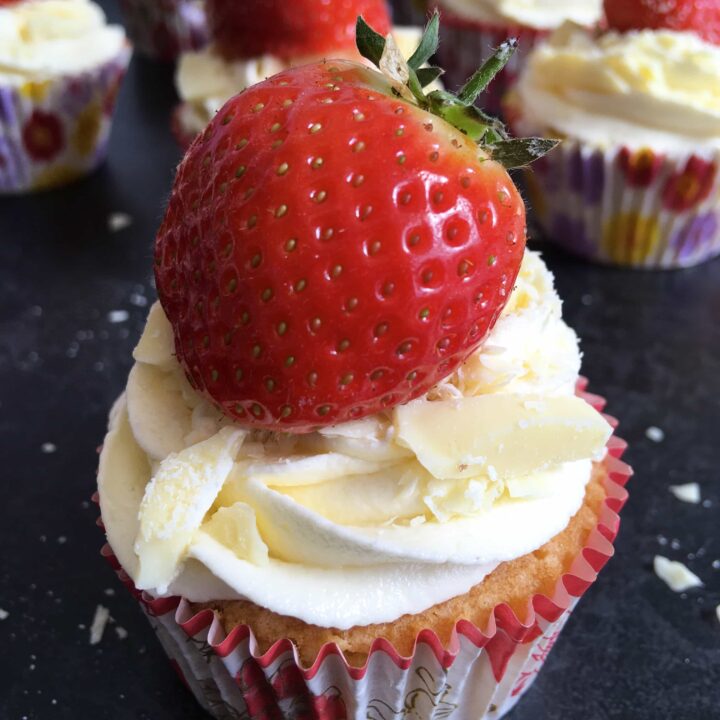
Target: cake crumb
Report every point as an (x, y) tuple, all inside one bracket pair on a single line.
[(100, 620), (655, 434), (118, 316), (689, 493), (676, 575), (118, 221), (48, 448), (4, 614)]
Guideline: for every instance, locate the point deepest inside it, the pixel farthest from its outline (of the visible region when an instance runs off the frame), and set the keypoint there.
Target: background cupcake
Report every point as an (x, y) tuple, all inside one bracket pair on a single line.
[(162, 29), (472, 28), (61, 67), (636, 180), (256, 39)]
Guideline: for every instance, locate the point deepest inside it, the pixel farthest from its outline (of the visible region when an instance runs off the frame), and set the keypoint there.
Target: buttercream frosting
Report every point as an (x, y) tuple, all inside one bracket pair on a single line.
[(649, 88), (537, 14), (42, 39), (362, 522)]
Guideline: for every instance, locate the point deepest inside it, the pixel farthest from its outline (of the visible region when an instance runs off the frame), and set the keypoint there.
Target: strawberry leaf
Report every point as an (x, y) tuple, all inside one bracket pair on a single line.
[(479, 82), (428, 44), (408, 80), (428, 75), (519, 152), (370, 44)]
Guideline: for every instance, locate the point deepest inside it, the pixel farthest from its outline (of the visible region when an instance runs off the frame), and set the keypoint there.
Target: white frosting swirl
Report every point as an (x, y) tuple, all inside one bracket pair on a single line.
[(648, 88), (537, 14), (42, 39), (363, 522)]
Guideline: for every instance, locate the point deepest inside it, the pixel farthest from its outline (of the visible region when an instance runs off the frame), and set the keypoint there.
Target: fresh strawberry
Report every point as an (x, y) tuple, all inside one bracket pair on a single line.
[(699, 16), (330, 249), (291, 29)]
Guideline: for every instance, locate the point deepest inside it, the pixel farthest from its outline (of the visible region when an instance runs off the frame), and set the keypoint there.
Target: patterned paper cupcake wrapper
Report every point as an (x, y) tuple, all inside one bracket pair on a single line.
[(481, 675), (57, 130), (639, 208), (162, 29), (466, 43)]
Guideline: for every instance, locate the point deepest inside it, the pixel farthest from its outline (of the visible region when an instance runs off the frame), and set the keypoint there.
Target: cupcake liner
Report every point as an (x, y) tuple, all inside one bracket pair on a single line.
[(483, 672), (464, 44), (636, 208), (162, 29), (56, 130)]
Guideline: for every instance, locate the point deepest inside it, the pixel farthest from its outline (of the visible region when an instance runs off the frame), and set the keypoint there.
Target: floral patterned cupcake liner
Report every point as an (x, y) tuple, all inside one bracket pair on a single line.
[(637, 208), (482, 674), (465, 43), (56, 130), (162, 29)]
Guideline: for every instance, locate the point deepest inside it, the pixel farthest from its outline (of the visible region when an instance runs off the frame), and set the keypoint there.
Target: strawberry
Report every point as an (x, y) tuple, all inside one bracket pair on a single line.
[(699, 16), (291, 29), (331, 249)]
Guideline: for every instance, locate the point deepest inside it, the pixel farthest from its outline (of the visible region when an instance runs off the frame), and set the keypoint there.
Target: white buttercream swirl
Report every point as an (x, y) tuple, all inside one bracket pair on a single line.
[(648, 88), (42, 39), (358, 523), (536, 14)]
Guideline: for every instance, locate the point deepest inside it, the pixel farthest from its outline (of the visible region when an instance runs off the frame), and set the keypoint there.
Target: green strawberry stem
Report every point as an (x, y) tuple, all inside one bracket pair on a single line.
[(409, 79)]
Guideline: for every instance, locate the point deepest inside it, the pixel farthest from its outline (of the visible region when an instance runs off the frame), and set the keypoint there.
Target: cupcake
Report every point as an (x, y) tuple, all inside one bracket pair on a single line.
[(255, 39), (472, 28), (636, 180), (61, 66), (162, 29), (354, 463)]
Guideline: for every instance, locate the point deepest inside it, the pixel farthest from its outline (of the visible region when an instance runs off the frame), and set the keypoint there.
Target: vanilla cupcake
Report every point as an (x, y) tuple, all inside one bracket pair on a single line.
[(354, 461), (61, 66), (473, 28), (162, 29), (382, 548), (636, 180)]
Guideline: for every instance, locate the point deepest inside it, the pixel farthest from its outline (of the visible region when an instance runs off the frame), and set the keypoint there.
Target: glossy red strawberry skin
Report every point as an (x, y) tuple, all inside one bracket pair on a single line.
[(699, 16), (329, 251), (291, 29)]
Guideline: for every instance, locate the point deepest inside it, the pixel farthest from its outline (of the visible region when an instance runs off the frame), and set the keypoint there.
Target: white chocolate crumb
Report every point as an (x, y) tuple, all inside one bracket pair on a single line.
[(138, 300), (4, 614), (121, 632), (48, 448), (689, 493), (655, 434), (677, 577), (118, 221), (118, 316), (100, 620)]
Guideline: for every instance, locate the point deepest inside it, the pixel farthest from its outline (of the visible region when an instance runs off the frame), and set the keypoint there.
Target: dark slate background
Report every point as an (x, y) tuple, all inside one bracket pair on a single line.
[(632, 649)]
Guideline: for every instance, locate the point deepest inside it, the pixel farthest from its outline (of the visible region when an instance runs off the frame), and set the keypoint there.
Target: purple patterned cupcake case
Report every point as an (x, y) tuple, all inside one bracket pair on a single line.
[(54, 131), (628, 207)]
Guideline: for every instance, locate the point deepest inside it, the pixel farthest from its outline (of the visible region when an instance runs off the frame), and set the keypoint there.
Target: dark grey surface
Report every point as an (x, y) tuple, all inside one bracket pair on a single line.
[(633, 649)]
